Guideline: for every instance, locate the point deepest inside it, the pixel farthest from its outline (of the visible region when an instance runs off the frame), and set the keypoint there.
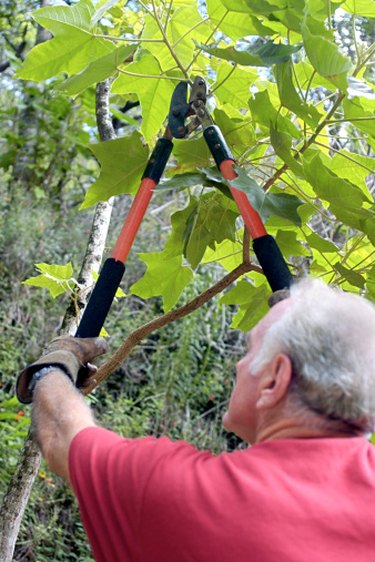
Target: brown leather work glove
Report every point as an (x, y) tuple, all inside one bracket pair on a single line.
[(71, 355)]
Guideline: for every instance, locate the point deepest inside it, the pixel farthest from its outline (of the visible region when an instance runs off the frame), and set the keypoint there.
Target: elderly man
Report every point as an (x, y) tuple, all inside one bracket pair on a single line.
[(304, 491)]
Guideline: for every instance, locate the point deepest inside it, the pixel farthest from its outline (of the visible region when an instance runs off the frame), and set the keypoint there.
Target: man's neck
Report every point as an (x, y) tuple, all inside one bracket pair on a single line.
[(290, 428)]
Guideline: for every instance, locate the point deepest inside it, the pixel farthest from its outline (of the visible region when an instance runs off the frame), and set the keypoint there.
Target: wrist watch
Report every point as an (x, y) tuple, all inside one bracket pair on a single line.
[(42, 372)]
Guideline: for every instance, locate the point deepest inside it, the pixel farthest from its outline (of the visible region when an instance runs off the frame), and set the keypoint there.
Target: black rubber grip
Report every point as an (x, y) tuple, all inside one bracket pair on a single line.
[(158, 159), (217, 145), (101, 299), (272, 262)]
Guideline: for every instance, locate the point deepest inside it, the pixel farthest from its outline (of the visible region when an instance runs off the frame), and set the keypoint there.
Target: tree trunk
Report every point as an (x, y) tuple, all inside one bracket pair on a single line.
[(17, 495)]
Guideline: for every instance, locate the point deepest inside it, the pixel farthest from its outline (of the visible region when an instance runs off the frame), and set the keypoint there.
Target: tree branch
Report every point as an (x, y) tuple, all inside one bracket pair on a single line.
[(18, 492), (100, 224), (137, 335)]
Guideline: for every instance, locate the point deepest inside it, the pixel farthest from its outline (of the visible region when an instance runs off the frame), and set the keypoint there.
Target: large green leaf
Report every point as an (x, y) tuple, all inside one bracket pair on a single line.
[(282, 143), (73, 47), (235, 25), (324, 246), (191, 154), (289, 97), (282, 205), (261, 7), (165, 277), (122, 164), (289, 245), (205, 222), (236, 128), (248, 185), (231, 54), (326, 58), (252, 303), (212, 221), (184, 24), (154, 93), (350, 275), (337, 191), (273, 53), (233, 85), (266, 54), (353, 167), (362, 8), (97, 71), (265, 114), (361, 112)]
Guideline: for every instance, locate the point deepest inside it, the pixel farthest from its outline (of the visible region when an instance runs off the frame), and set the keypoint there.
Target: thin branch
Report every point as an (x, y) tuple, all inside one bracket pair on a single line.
[(154, 76), (307, 143), (166, 41), (137, 335)]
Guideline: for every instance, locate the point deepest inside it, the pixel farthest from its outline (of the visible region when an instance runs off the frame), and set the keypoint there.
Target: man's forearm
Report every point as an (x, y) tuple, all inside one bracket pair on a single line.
[(59, 413)]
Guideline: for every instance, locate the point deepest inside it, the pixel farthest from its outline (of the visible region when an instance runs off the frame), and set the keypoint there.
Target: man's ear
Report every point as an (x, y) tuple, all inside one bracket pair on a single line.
[(273, 386)]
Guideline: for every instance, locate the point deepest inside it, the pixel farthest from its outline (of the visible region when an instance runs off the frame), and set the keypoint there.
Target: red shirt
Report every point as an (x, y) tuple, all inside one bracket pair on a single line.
[(155, 500)]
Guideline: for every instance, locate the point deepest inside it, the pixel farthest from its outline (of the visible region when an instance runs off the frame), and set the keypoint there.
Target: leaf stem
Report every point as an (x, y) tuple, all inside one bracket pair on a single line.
[(154, 76), (168, 44)]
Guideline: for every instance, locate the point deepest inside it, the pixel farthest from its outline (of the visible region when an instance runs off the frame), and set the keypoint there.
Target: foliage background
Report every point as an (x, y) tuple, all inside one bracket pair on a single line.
[(292, 91)]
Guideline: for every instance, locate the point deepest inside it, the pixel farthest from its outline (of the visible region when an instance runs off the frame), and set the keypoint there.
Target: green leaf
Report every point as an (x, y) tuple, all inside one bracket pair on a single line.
[(361, 113), (337, 191), (353, 167), (281, 205), (264, 55), (273, 53), (185, 25), (370, 284), (254, 192), (254, 7), (237, 130), (289, 97), (211, 222), (282, 143), (97, 71), (122, 164), (73, 47), (178, 182), (232, 55), (362, 8), (233, 86), (191, 154), (252, 303), (265, 114), (326, 58), (324, 246), (227, 253), (289, 245), (56, 278), (205, 222), (233, 24), (165, 277), (154, 94), (353, 277)]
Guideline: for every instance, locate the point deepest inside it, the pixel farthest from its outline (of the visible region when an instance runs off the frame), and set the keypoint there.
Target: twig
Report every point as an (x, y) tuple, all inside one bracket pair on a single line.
[(137, 335)]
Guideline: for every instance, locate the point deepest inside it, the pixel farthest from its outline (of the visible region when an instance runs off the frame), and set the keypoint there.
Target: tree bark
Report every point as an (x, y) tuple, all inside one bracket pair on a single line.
[(17, 495)]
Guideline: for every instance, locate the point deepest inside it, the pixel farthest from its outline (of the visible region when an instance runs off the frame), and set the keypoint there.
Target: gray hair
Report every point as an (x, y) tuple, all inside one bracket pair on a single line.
[(329, 336)]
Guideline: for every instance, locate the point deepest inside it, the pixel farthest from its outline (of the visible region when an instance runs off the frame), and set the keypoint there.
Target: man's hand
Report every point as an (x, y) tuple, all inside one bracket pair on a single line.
[(71, 355)]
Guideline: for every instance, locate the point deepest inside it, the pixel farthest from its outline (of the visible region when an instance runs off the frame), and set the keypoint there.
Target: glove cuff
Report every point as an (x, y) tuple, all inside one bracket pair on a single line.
[(65, 361)]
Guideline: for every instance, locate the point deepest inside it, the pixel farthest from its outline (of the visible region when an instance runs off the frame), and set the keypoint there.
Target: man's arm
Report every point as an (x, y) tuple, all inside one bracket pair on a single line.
[(59, 410), (59, 413)]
